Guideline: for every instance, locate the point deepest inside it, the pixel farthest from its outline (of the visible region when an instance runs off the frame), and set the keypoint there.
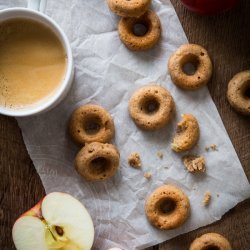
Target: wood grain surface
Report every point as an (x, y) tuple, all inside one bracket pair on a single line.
[(227, 38)]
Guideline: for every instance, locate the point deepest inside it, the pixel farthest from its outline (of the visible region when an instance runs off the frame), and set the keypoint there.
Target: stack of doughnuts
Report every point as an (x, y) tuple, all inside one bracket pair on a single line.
[(136, 14), (92, 127)]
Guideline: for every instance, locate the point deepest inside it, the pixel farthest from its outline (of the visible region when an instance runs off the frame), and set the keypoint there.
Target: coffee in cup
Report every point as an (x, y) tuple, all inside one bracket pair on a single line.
[(33, 62)]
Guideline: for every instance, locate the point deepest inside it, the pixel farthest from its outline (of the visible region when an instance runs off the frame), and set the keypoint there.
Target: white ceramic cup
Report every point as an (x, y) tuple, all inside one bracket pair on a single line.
[(34, 12)]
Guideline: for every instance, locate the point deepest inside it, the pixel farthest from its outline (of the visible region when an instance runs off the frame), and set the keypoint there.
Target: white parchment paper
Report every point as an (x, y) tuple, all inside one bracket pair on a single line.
[(106, 73)]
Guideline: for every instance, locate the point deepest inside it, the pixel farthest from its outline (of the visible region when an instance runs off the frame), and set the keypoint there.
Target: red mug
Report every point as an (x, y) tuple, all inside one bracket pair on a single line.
[(208, 7)]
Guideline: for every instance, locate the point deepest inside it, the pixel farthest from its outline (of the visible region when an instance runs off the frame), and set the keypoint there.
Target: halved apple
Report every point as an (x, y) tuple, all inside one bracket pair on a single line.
[(58, 221)]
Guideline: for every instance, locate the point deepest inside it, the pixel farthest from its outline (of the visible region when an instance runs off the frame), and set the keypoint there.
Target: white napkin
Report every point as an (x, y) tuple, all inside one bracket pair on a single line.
[(107, 73)]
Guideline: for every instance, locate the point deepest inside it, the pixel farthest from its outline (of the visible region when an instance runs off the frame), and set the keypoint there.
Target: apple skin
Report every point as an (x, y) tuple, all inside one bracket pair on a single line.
[(209, 7), (34, 211)]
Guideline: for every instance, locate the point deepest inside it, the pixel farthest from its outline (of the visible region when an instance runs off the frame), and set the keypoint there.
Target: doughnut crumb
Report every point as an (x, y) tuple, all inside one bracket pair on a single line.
[(134, 160), (194, 163), (214, 147), (206, 199), (160, 155), (147, 175)]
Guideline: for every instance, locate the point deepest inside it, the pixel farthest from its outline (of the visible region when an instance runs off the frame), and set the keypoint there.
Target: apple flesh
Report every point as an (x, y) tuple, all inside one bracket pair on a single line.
[(209, 7), (58, 221)]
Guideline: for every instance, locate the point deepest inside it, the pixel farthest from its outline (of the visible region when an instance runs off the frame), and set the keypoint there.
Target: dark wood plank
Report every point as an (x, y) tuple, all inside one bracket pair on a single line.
[(227, 39), (20, 185)]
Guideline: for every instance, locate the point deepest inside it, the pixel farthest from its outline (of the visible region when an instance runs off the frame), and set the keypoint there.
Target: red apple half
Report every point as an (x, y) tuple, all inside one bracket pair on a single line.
[(58, 221)]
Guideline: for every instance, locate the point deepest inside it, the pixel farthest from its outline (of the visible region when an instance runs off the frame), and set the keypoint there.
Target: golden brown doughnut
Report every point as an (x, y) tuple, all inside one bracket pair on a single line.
[(199, 58), (146, 41), (238, 92), (151, 107), (91, 123), (211, 241), (187, 134), (129, 8), (97, 161), (167, 207)]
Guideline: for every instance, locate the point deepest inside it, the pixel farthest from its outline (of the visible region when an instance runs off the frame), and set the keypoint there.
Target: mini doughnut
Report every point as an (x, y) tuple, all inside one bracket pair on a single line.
[(91, 123), (198, 57), (167, 207), (238, 93), (97, 161), (187, 134), (147, 40), (151, 107), (210, 241), (129, 8)]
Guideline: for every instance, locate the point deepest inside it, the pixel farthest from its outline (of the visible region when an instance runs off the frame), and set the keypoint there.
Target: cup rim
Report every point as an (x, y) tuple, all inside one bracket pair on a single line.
[(64, 85)]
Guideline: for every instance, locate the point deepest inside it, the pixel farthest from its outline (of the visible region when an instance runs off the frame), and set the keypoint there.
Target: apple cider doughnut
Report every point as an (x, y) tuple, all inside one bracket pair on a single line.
[(137, 40), (151, 107), (198, 58), (167, 207), (238, 93), (91, 123), (210, 241), (187, 134), (129, 8), (97, 161)]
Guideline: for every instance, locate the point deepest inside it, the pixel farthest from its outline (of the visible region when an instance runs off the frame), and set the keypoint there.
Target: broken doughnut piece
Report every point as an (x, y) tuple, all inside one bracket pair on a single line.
[(194, 163), (187, 134), (134, 160), (148, 175), (206, 199)]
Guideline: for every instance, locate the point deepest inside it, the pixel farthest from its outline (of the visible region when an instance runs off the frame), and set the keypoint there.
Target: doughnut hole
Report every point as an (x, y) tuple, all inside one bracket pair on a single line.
[(100, 165), (141, 27), (246, 90), (189, 64), (92, 124), (211, 247), (150, 105), (166, 206)]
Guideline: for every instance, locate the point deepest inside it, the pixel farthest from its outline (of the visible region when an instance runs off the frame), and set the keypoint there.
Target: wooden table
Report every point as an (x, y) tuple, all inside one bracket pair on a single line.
[(227, 38)]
